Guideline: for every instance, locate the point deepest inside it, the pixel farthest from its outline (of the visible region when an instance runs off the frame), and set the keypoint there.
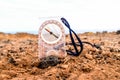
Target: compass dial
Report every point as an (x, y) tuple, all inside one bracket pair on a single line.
[(51, 33)]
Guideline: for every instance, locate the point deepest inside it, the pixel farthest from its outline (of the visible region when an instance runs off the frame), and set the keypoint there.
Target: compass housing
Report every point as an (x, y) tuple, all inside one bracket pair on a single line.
[(51, 39)]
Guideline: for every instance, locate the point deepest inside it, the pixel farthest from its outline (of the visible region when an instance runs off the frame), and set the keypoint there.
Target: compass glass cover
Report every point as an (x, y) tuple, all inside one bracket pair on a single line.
[(51, 33)]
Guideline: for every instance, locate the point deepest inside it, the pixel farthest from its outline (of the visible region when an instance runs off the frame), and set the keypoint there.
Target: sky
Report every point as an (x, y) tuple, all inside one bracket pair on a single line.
[(83, 15)]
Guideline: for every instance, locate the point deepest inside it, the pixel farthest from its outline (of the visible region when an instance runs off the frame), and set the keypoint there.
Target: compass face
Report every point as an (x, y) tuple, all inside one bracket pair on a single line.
[(51, 32)]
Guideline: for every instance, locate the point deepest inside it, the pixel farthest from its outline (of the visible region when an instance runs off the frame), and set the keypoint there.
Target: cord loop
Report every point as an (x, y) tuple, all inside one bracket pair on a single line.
[(77, 52)]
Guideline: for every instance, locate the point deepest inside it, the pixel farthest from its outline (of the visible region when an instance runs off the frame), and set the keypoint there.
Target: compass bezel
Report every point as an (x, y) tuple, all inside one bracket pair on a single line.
[(58, 24)]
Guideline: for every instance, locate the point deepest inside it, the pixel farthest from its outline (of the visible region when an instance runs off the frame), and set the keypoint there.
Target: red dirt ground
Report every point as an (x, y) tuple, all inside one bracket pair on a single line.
[(19, 59)]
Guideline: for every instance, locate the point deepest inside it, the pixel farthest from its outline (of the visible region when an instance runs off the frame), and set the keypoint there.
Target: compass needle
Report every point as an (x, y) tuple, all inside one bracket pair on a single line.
[(51, 33)]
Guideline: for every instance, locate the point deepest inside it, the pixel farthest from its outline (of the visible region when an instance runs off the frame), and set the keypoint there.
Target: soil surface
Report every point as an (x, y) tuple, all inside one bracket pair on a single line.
[(19, 59)]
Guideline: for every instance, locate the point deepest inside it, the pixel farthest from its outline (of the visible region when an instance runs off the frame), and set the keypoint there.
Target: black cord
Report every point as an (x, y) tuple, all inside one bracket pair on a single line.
[(77, 53), (85, 42), (75, 44)]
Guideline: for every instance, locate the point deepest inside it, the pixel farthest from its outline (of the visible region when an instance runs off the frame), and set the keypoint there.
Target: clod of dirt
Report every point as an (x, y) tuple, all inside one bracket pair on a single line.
[(118, 32), (102, 43), (119, 42), (86, 68), (98, 46), (49, 61), (1, 46), (89, 56), (6, 41), (114, 50), (21, 49), (11, 60), (12, 51)]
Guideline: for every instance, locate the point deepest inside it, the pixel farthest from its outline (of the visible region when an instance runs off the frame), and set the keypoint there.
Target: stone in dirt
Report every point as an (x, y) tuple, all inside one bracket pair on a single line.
[(49, 61)]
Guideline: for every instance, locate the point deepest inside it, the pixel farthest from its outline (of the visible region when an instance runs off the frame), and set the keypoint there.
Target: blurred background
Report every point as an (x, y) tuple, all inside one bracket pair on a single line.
[(83, 15)]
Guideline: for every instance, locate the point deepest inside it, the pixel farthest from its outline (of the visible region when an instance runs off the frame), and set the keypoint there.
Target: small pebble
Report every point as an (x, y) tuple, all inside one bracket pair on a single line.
[(63, 66)]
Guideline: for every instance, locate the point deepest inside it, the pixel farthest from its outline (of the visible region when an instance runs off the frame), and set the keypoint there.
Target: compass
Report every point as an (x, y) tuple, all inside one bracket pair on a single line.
[(51, 39), (51, 33)]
